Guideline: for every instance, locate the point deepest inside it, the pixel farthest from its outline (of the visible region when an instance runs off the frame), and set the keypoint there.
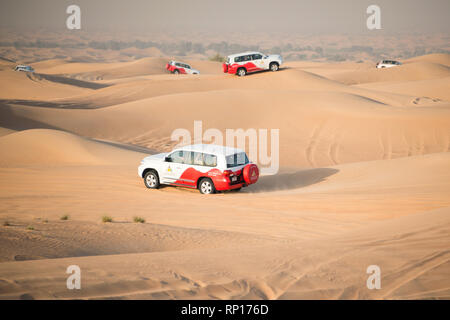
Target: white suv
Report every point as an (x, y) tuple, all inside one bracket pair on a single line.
[(388, 64), (180, 67), (246, 62), (206, 167)]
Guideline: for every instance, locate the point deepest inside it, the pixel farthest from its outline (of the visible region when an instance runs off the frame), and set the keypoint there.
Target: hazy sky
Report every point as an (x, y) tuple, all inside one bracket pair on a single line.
[(303, 16)]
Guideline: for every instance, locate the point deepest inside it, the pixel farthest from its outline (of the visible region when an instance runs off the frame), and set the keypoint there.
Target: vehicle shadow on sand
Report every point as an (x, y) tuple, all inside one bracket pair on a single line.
[(281, 69), (294, 180)]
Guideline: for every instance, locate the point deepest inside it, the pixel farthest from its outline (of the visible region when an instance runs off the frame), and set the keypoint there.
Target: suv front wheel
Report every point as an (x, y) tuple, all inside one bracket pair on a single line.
[(274, 66), (151, 180)]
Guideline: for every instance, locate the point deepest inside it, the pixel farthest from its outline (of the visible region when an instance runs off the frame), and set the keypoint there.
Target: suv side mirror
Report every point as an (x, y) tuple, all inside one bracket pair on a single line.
[(168, 159)]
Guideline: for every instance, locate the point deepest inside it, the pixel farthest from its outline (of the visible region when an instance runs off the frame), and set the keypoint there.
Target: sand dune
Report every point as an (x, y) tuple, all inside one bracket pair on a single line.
[(108, 71), (439, 58), (411, 251), (4, 131), (370, 176), (426, 91), (420, 70), (22, 85), (100, 71), (48, 64), (118, 238), (51, 147), (364, 179), (6, 64), (139, 88), (320, 125)]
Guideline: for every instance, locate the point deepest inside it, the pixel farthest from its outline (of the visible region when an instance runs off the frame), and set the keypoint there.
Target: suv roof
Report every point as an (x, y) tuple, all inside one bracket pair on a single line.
[(211, 149), (243, 53), (175, 61)]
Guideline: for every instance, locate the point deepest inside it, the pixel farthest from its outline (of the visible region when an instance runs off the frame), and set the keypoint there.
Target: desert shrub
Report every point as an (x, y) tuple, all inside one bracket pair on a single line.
[(217, 57), (107, 219), (138, 219)]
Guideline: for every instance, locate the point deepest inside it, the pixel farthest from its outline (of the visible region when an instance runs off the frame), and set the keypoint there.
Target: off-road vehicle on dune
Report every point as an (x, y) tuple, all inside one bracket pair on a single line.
[(23, 68), (206, 167), (387, 64), (247, 62), (180, 68)]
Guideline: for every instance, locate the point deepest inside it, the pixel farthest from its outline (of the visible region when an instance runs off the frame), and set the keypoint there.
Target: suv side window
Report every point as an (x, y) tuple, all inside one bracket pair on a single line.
[(210, 160), (256, 56), (203, 159), (187, 157), (178, 64), (175, 157), (239, 59), (237, 159), (181, 156), (198, 159)]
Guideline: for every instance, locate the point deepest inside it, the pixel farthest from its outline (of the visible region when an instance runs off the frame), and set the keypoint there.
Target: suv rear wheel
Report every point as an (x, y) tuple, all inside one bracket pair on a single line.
[(176, 71), (274, 66), (206, 186), (241, 72)]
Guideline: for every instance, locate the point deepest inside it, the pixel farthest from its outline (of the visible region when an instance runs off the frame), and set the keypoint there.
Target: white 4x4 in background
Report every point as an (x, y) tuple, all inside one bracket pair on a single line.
[(246, 62), (180, 68), (388, 64)]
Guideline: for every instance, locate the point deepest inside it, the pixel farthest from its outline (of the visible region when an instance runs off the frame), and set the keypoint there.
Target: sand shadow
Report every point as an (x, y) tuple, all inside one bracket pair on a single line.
[(68, 81), (126, 146), (46, 104), (294, 180), (11, 120), (281, 69)]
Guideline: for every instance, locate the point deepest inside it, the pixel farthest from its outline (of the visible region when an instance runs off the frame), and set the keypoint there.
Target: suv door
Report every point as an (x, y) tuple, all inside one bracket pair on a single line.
[(248, 63), (175, 165), (258, 61), (180, 67), (187, 68)]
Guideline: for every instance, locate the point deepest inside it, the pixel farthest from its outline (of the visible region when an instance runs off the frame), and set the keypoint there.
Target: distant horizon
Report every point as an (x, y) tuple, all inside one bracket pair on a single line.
[(300, 30), (304, 17)]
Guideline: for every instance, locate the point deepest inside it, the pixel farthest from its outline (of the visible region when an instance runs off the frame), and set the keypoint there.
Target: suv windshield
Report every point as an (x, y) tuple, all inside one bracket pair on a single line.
[(237, 159)]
